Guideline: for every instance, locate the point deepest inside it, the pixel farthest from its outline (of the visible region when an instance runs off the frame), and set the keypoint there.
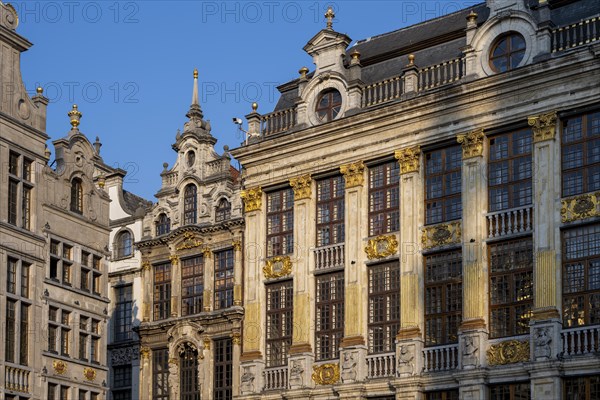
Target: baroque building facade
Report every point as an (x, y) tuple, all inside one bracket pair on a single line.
[(54, 230), (422, 214)]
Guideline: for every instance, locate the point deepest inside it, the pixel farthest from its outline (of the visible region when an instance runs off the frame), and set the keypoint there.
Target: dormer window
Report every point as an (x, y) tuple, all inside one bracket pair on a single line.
[(190, 208), (163, 225), (124, 244), (76, 196), (329, 105), (507, 52), (223, 211)]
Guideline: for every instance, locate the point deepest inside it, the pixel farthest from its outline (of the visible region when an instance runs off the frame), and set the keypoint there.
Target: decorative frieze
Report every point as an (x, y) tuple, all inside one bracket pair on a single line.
[(580, 207), (326, 374), (277, 267), (252, 199), (189, 242), (441, 235), (123, 355), (381, 246), (353, 173), (543, 126), (509, 352), (472, 143), (302, 187), (409, 159)]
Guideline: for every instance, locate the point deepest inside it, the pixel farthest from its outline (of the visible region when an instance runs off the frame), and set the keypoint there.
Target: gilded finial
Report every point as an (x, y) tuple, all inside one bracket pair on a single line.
[(196, 73), (355, 54), (39, 90), (254, 106), (46, 151), (330, 16), (303, 71), (101, 181), (411, 59), (472, 17), (75, 116)]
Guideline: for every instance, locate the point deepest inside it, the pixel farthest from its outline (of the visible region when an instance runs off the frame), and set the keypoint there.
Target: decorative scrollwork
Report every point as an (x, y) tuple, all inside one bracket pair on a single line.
[(509, 352), (580, 207), (353, 173), (382, 246), (252, 199), (326, 374), (543, 126), (472, 143), (409, 159), (301, 186), (277, 267), (441, 235), (189, 242)]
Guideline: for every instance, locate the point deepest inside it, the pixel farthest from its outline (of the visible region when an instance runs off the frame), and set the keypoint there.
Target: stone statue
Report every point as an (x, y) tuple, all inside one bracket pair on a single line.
[(296, 378), (470, 359), (542, 344), (348, 368), (405, 361), (247, 379)]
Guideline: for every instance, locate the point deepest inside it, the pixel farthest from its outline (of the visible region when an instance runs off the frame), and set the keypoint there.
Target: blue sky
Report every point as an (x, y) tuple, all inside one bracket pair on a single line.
[(128, 64)]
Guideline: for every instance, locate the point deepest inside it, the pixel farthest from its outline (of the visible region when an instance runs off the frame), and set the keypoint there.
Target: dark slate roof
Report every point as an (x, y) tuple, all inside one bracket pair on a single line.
[(133, 202), (572, 12)]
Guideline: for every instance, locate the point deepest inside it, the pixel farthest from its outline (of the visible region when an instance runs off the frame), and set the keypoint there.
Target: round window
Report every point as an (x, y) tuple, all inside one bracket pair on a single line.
[(507, 52), (329, 105), (191, 158)]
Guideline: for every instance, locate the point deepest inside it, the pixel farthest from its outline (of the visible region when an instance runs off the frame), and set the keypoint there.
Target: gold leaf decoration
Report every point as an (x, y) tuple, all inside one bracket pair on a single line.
[(301, 186), (441, 235), (543, 126), (509, 352), (382, 246), (580, 207), (326, 374), (189, 242), (277, 267), (252, 199), (60, 367), (472, 143), (409, 159), (353, 173), (89, 374)]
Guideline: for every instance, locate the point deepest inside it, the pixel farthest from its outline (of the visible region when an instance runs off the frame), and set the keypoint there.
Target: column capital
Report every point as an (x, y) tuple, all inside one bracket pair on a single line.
[(353, 173), (145, 352), (174, 259), (302, 187), (408, 159), (472, 143), (237, 244), (146, 266), (252, 199), (543, 126)]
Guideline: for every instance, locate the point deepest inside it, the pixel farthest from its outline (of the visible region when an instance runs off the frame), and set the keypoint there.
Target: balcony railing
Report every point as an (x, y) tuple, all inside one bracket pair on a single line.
[(440, 358), (278, 121), (579, 341), (276, 378), (510, 222), (17, 379), (330, 256), (383, 91), (381, 365), (441, 74), (577, 34)]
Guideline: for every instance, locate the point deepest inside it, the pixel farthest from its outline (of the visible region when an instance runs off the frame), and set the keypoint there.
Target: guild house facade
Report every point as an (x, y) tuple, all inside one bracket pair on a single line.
[(422, 213)]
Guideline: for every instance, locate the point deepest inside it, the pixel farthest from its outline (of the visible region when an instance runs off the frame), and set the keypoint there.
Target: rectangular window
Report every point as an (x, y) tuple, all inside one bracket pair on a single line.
[(95, 350), (511, 391), (160, 372), (280, 297), (83, 341), (24, 335), (224, 261), (13, 190), (82, 394), (122, 382), (329, 329), (52, 388), (66, 278), (64, 392), (384, 198), (280, 222), (443, 297), (384, 306), (11, 329), (509, 171), (123, 313), (11, 276), (13, 163), (330, 211), (162, 291), (450, 394), (582, 388), (223, 369), (581, 276), (511, 287), (25, 280), (443, 185), (581, 154), (85, 280), (192, 285)]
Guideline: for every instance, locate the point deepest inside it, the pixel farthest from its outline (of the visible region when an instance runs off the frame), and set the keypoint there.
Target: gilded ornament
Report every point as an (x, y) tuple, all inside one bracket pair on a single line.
[(277, 267), (145, 352), (60, 367), (441, 235), (382, 246), (301, 186), (75, 116), (543, 126), (508, 352), (174, 361), (89, 374), (580, 207), (207, 252), (189, 242), (353, 173), (146, 266), (236, 338), (237, 245), (252, 199), (326, 374), (206, 343), (174, 259), (472, 143), (409, 159)]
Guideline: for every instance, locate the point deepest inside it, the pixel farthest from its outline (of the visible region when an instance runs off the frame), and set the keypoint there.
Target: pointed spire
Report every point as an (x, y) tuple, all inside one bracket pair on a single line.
[(195, 110)]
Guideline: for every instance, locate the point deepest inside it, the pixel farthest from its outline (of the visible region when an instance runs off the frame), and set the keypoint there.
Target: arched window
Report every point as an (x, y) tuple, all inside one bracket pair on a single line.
[(223, 210), (190, 204), (329, 105), (507, 52), (76, 196), (124, 244), (163, 224), (188, 378)]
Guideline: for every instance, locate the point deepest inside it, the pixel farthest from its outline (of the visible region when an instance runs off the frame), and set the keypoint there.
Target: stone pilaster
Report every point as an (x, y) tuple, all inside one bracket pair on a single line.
[(146, 291), (145, 389), (175, 286), (209, 279), (237, 272), (236, 341), (301, 356), (206, 368)]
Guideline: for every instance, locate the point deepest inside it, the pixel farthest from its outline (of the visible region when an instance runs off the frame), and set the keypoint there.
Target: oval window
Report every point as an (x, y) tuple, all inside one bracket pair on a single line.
[(329, 105), (507, 52)]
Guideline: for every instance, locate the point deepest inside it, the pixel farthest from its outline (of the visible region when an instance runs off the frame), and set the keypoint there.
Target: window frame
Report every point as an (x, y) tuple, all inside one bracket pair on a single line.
[(330, 227), (122, 329), (223, 369), (192, 302), (280, 222), (161, 294), (333, 108), (190, 204), (76, 200), (329, 315), (389, 190), (224, 278), (385, 298), (509, 53), (279, 322), (448, 178)]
